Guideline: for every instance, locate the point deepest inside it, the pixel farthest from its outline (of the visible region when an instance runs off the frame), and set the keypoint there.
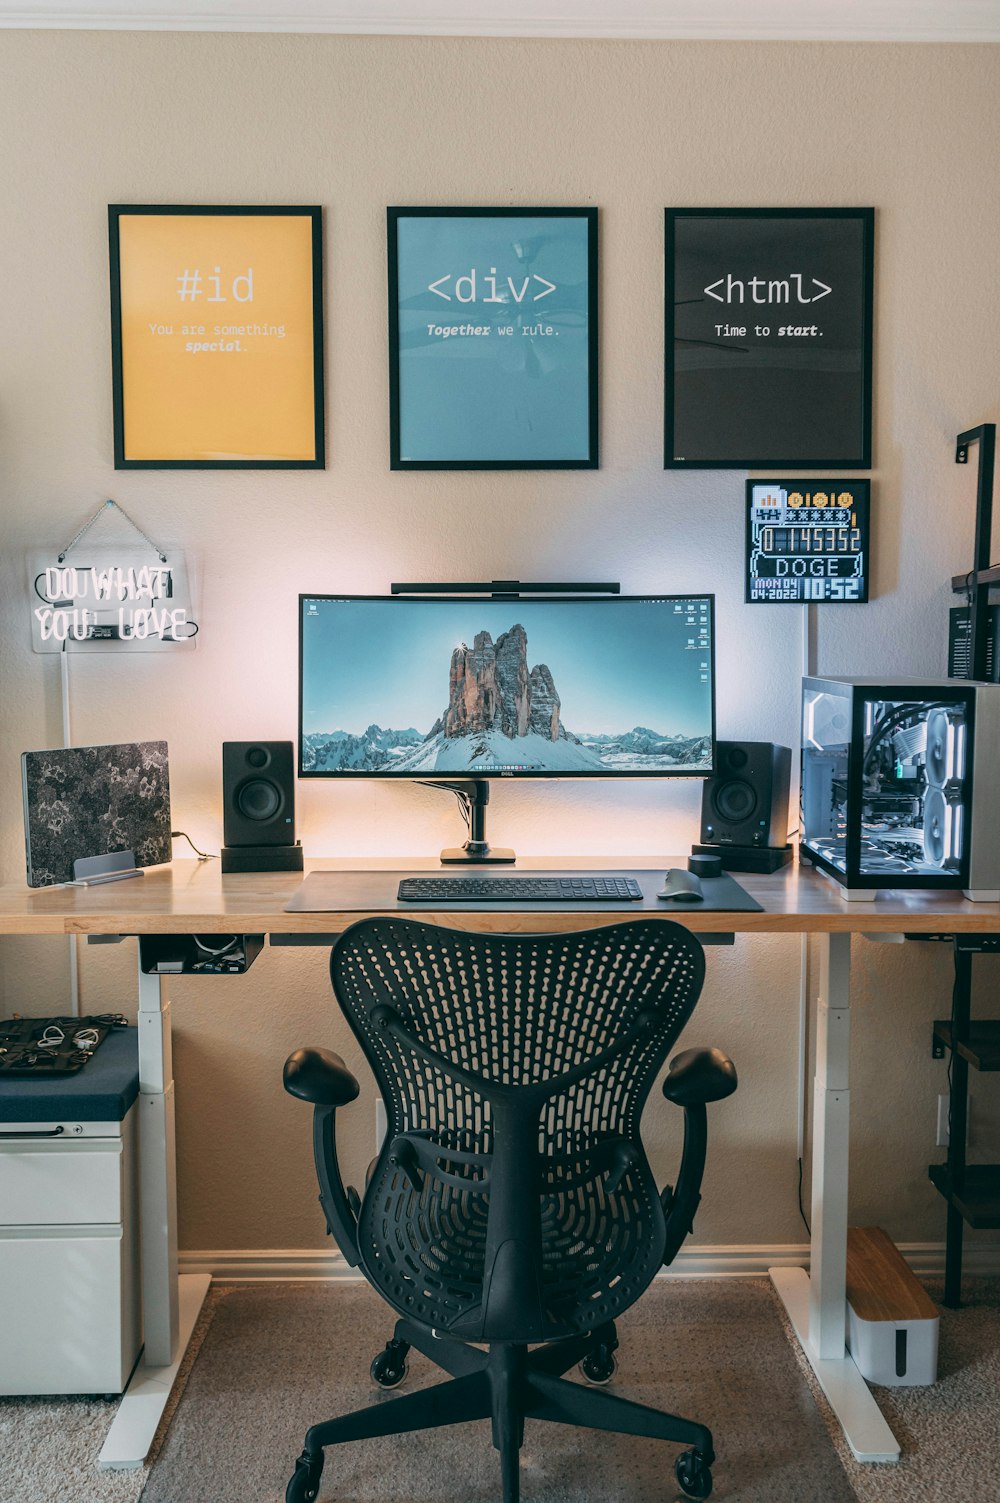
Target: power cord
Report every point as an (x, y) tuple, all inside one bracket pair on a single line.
[(228, 944), (802, 1211), (202, 855), (463, 805)]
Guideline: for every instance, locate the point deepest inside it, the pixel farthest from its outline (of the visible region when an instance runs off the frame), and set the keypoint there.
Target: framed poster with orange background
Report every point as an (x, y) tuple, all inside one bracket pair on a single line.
[(217, 337)]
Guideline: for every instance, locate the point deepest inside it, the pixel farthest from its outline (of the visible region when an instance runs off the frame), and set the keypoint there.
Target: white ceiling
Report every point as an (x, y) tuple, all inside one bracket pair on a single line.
[(752, 20)]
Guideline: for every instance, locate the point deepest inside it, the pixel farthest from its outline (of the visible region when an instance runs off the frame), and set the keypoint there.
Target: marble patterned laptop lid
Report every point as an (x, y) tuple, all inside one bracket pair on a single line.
[(91, 801)]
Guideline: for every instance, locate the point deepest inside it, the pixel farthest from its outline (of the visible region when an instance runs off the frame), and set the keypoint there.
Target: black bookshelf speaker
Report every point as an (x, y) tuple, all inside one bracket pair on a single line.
[(258, 798), (745, 802)]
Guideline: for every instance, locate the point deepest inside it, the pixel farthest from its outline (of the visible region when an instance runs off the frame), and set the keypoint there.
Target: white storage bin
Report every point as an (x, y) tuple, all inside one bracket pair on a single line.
[(892, 1322)]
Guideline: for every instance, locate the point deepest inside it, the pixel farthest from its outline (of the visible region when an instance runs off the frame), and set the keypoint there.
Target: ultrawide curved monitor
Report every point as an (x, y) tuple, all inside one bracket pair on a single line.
[(474, 687)]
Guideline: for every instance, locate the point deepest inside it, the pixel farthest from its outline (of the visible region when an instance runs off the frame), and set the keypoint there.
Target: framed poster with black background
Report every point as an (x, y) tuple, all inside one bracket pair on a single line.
[(807, 541), (768, 338), (217, 337), (492, 338)]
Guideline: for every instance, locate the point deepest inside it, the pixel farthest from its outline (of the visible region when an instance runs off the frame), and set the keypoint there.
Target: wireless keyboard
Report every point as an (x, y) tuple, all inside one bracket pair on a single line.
[(519, 889)]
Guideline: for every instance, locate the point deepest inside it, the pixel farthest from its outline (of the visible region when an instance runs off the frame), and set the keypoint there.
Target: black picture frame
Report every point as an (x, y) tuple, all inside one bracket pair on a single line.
[(813, 518), (849, 451), (121, 459), (397, 459)]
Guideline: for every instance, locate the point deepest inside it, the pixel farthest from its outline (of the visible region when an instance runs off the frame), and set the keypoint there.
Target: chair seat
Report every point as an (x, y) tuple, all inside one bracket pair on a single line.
[(425, 1250)]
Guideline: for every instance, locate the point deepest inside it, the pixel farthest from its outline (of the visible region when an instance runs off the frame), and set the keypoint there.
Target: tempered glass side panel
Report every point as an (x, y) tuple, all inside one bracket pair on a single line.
[(826, 740), (914, 787)]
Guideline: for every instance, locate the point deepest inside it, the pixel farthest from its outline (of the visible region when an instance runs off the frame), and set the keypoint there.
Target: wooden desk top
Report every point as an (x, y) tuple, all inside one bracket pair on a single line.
[(194, 897)]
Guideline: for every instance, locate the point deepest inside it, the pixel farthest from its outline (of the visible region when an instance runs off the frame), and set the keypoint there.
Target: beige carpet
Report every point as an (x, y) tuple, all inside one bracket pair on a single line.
[(49, 1447), (949, 1431), (278, 1358)]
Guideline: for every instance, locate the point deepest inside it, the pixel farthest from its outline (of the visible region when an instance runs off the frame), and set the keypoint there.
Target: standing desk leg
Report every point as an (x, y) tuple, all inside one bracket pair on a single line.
[(817, 1302), (170, 1304), (831, 1149), (157, 1173)]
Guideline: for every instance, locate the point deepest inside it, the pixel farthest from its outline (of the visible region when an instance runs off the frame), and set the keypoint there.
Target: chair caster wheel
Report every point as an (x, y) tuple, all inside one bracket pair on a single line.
[(694, 1475), (390, 1367), (304, 1484), (600, 1365)]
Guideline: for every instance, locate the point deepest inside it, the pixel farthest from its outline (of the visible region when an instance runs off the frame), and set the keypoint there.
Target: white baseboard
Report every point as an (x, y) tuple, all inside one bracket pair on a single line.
[(746, 1260), (725, 20)]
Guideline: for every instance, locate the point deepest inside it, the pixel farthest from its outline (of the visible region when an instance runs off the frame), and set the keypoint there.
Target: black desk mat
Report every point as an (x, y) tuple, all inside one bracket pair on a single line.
[(375, 892)]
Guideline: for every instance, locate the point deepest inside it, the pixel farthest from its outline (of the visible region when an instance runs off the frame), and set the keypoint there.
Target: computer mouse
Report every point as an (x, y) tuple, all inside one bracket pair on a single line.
[(681, 887)]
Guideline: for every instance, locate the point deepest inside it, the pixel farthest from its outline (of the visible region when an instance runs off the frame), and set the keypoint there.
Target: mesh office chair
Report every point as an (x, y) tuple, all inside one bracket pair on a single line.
[(511, 1202)]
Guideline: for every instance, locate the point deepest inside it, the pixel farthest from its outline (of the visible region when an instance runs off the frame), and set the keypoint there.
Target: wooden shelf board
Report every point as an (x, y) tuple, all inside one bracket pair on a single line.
[(990, 576), (982, 1048), (979, 1198)]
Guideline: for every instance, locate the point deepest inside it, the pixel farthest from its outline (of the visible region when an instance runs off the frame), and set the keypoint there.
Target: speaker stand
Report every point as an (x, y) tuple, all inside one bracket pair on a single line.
[(748, 858), (262, 858)]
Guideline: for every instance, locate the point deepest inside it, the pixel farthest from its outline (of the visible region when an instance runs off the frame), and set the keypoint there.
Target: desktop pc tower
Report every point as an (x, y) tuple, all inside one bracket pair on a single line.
[(901, 784)]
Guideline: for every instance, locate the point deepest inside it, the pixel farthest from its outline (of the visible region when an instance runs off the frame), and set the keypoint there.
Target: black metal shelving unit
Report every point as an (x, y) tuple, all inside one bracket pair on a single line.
[(971, 1191), (984, 575)]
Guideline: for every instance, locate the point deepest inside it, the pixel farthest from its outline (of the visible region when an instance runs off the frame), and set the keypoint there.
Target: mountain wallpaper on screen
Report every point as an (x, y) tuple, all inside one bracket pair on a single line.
[(500, 714)]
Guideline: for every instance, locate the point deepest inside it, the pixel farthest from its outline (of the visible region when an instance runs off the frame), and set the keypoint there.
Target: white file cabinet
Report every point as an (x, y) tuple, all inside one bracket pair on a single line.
[(69, 1230)]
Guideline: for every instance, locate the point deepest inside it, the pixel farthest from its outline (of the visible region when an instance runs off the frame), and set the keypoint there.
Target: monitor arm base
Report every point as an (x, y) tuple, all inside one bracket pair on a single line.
[(475, 851), (473, 794)]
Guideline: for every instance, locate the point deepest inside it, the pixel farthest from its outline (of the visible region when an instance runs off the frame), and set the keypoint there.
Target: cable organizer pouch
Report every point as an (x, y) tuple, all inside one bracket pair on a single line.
[(52, 1046)]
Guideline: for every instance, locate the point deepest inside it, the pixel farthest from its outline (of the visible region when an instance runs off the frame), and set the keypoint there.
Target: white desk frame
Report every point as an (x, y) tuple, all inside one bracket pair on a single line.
[(170, 1302), (816, 1301)]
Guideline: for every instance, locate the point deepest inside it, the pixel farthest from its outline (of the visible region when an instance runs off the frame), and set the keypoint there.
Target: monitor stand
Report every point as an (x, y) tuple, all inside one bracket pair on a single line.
[(474, 795)]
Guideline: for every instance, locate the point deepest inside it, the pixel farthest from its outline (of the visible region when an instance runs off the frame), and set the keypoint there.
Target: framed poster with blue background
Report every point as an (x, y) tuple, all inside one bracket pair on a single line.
[(807, 540), (768, 338), (492, 339)]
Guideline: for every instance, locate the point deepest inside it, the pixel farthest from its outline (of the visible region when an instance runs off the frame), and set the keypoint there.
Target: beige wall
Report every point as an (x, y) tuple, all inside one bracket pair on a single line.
[(356, 124)]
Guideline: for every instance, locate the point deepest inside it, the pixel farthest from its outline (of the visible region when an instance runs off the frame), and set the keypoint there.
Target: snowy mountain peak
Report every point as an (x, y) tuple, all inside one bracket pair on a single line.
[(490, 689)]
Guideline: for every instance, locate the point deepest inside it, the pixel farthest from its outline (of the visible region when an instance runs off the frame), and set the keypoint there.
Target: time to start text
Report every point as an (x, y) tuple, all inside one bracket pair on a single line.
[(802, 331)]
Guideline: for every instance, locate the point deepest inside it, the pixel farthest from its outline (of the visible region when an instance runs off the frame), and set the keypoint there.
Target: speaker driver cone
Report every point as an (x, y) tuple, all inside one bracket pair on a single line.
[(734, 801), (258, 799)]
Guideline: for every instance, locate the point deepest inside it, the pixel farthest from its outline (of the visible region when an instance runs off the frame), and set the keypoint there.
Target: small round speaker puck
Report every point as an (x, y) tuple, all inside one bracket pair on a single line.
[(704, 865)]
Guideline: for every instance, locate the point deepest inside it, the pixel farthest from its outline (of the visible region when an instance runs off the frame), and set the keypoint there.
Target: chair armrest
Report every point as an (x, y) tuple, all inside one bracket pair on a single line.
[(319, 1077), (695, 1077), (698, 1076)]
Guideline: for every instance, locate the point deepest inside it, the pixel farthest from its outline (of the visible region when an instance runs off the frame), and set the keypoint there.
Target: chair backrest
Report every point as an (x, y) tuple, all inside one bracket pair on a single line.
[(512, 1198)]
